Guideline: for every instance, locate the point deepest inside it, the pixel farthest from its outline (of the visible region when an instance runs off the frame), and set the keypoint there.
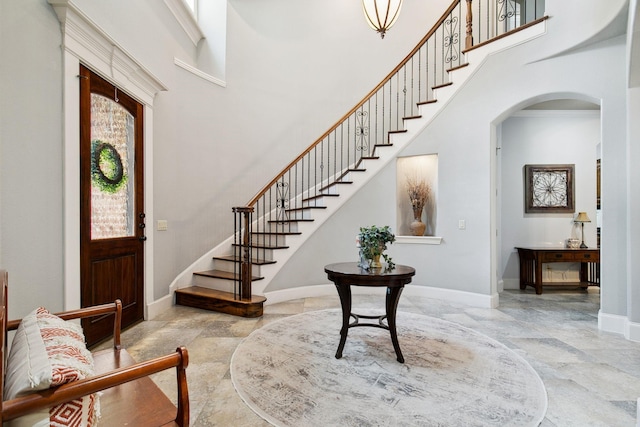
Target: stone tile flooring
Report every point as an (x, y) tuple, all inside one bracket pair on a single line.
[(592, 378)]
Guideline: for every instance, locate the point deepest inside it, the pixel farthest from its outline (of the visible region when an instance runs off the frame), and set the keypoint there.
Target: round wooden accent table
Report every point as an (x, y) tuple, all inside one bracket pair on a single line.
[(347, 274)]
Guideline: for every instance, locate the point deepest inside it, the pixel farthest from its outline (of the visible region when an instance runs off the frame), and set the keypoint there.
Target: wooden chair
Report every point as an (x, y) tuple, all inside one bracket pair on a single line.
[(128, 396)]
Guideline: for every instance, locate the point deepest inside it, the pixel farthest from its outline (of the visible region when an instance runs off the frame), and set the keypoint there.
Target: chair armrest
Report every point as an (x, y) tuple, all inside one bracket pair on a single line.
[(94, 311), (66, 392)]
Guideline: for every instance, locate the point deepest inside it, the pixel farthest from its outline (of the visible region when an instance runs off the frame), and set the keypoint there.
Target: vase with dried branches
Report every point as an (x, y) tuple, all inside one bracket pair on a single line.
[(419, 192)]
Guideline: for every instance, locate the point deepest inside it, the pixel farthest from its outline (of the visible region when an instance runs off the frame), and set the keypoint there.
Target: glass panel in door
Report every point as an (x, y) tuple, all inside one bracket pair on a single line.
[(112, 166)]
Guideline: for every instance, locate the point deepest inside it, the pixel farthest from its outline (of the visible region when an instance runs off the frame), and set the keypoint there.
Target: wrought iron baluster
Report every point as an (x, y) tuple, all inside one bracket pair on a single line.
[(362, 132), (451, 40)]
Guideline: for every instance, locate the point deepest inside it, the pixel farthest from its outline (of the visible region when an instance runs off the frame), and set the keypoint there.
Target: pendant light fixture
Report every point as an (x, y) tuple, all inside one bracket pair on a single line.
[(381, 14)]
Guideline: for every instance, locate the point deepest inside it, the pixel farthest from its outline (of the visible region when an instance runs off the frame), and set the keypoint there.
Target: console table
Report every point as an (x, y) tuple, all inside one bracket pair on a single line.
[(347, 274), (531, 260)]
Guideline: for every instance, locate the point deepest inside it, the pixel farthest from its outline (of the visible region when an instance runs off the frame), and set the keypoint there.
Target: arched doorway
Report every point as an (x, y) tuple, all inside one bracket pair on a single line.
[(544, 131)]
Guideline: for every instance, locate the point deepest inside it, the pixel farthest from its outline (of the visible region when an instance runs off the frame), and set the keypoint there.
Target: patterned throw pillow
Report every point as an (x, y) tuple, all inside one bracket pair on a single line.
[(48, 351)]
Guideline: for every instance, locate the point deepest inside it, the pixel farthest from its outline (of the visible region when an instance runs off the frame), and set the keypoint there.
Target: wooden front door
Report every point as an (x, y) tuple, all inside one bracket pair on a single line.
[(111, 203)]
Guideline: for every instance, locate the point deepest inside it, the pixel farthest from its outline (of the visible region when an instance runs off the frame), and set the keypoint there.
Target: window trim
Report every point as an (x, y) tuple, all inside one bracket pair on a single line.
[(186, 18)]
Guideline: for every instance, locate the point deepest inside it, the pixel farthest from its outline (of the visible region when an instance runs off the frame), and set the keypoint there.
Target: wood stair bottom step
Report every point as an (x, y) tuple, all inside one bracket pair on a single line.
[(219, 301)]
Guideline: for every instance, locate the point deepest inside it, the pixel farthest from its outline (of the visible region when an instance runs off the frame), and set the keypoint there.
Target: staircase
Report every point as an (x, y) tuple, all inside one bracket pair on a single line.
[(277, 221)]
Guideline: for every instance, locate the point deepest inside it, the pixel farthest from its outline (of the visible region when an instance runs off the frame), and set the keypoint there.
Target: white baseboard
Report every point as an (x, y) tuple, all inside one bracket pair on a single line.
[(461, 297), (633, 331), (301, 292), (157, 307), (454, 296), (611, 323), (619, 325)]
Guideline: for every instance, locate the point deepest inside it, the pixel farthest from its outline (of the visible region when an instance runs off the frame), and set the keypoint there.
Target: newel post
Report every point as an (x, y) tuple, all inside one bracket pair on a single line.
[(469, 38), (242, 239)]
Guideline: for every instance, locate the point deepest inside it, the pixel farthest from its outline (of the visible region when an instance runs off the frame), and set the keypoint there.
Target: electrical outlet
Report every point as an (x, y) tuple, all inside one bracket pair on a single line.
[(162, 225)]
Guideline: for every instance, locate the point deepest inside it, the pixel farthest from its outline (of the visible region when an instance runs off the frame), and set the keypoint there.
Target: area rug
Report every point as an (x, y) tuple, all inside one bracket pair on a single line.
[(452, 376)]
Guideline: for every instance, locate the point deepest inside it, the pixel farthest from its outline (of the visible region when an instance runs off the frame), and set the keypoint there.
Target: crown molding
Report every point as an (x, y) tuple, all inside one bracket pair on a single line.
[(84, 39), (186, 19)]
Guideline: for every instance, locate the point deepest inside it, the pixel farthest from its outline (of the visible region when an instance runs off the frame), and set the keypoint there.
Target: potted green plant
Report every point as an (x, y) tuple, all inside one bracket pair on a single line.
[(373, 242)]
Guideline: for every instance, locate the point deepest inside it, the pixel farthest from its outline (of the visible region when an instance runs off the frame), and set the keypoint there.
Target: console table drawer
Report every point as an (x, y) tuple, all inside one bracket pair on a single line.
[(559, 256), (587, 256)]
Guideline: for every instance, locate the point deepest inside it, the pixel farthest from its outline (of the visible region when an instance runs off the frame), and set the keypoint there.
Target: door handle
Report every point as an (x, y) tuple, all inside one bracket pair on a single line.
[(142, 225)]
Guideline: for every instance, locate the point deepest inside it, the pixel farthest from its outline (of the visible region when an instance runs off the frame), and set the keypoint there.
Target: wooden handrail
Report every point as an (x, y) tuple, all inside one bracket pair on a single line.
[(508, 33), (81, 313), (439, 22)]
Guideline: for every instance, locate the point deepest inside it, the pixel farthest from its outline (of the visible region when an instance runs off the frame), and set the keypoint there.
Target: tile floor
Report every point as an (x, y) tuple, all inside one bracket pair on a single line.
[(592, 378)]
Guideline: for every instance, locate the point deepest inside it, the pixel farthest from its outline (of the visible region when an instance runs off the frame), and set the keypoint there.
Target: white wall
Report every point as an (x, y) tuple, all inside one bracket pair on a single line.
[(31, 153), (633, 110), (545, 137)]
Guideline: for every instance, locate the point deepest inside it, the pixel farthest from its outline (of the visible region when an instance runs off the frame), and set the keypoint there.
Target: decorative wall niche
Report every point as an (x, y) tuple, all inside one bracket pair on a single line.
[(416, 176)]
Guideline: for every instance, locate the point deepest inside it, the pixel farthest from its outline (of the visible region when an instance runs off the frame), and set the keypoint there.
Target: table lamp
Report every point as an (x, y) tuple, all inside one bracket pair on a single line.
[(582, 218)]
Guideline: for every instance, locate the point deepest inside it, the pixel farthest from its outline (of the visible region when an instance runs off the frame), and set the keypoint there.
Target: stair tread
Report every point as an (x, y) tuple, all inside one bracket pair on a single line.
[(276, 233), (320, 196), (430, 101), (231, 258), (304, 208), (264, 246), (290, 220), (214, 293), (458, 67), (335, 183), (220, 274), (442, 85)]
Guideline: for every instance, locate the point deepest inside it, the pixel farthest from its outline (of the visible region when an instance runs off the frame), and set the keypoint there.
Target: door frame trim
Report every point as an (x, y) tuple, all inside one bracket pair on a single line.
[(80, 37)]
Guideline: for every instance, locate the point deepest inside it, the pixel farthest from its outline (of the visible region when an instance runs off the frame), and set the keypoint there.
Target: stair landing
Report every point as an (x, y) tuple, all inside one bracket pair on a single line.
[(222, 302)]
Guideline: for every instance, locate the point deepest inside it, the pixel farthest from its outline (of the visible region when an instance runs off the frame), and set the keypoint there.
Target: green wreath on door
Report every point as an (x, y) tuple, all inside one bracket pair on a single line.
[(107, 170)]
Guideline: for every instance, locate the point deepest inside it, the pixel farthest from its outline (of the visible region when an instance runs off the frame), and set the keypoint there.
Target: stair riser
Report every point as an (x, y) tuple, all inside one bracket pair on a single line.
[(317, 202), (262, 254), (331, 190), (229, 266), (299, 214), (213, 283), (288, 227), (269, 240)]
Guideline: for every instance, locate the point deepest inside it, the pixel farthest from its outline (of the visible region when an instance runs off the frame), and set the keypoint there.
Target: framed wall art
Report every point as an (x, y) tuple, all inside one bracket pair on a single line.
[(549, 188)]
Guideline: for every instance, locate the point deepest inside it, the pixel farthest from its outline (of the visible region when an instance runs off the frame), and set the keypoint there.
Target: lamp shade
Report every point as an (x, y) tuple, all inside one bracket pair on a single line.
[(582, 217), (381, 14)]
